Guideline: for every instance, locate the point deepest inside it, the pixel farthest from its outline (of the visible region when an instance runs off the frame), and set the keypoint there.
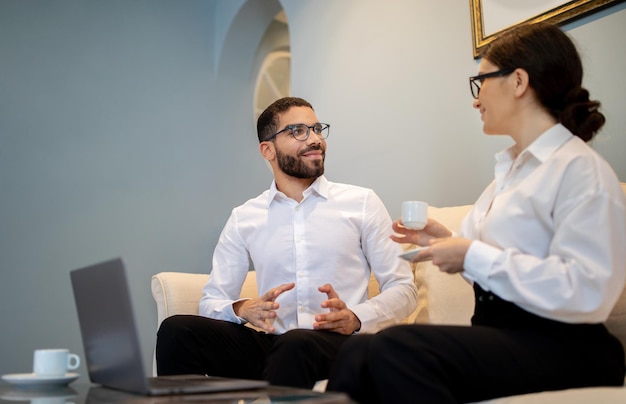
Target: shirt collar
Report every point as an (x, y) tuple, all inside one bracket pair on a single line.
[(549, 141), (546, 144), (319, 187)]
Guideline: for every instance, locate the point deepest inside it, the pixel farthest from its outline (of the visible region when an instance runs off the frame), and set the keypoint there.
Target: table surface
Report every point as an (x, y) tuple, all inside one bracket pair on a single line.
[(79, 393)]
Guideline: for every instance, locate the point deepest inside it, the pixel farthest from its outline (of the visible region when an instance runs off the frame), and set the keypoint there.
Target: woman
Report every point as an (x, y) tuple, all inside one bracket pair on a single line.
[(543, 247)]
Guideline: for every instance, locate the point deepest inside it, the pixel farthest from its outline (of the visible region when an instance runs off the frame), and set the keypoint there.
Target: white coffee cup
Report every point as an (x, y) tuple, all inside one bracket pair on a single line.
[(414, 214), (54, 362)]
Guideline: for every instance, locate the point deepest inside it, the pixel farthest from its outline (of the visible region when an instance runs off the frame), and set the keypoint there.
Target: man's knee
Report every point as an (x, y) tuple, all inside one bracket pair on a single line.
[(172, 327), (415, 335), (358, 344), (294, 339)]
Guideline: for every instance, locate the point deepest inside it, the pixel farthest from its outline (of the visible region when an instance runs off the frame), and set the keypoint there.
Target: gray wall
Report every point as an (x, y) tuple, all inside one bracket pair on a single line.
[(126, 130)]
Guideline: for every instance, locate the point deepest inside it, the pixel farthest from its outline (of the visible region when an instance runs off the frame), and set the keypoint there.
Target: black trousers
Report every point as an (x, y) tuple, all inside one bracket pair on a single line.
[(507, 351), (199, 345)]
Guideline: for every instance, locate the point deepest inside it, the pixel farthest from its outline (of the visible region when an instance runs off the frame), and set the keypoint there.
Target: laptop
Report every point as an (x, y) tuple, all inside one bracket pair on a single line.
[(111, 342)]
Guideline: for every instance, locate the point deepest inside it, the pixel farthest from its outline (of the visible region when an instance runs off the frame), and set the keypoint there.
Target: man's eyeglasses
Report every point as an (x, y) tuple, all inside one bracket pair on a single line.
[(300, 131), (477, 81)]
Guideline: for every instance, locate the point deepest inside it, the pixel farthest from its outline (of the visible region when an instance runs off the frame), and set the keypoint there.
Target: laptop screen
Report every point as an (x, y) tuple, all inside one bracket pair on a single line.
[(107, 326)]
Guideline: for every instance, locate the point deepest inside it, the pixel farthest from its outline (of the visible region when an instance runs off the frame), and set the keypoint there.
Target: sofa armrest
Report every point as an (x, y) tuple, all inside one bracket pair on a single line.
[(443, 298), (177, 293), (180, 292)]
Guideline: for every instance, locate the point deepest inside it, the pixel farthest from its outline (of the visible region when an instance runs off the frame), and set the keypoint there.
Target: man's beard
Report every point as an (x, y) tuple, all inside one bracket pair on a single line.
[(295, 167)]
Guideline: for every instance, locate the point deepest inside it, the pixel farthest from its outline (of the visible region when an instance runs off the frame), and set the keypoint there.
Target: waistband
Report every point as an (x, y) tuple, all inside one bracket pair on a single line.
[(491, 310)]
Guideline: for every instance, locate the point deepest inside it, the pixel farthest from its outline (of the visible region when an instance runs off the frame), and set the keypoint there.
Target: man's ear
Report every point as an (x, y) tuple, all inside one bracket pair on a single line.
[(267, 150), (521, 80)]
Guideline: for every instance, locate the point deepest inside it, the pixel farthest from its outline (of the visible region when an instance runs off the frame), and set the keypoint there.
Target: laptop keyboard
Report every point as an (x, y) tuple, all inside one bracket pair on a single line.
[(173, 381)]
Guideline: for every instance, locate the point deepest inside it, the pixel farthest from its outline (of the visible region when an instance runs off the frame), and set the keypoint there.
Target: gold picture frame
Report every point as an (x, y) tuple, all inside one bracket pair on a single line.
[(559, 13)]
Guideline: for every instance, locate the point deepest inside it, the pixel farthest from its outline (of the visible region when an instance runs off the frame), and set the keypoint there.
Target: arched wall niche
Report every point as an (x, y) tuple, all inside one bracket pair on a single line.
[(245, 33), (236, 75), (260, 26), (272, 65)]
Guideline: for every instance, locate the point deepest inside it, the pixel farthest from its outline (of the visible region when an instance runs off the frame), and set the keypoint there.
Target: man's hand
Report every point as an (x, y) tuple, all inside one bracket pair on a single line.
[(261, 311), (339, 319)]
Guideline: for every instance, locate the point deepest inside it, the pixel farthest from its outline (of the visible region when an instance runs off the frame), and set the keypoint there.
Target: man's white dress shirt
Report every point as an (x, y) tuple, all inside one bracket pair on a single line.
[(336, 235)]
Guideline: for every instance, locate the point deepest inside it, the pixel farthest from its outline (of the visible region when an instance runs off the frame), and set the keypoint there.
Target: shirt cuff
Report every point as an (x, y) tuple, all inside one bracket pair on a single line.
[(478, 262), (367, 318), (229, 312)]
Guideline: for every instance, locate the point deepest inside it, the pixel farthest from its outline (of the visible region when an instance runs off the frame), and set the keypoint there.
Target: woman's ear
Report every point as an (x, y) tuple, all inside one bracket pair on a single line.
[(521, 81)]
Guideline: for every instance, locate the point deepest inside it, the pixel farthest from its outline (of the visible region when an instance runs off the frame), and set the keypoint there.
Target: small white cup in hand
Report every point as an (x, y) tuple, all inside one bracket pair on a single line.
[(54, 362), (414, 214)]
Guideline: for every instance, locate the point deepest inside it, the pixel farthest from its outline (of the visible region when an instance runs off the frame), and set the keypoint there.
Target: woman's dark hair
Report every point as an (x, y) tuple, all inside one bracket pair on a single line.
[(555, 72), (267, 124)]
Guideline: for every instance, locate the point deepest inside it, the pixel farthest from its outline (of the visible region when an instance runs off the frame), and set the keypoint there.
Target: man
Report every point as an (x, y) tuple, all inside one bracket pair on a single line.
[(313, 244)]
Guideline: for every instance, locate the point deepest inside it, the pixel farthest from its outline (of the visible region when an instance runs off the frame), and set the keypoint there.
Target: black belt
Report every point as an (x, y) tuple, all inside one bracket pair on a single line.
[(491, 310)]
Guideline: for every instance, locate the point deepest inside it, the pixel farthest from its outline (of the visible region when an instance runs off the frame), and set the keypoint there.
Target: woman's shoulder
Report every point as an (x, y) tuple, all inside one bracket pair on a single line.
[(586, 171)]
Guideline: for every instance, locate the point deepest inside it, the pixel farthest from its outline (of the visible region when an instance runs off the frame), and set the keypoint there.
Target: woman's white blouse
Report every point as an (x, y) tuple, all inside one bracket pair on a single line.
[(550, 231)]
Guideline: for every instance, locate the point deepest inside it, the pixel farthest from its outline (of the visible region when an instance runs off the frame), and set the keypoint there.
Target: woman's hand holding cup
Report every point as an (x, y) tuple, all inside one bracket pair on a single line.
[(415, 227)]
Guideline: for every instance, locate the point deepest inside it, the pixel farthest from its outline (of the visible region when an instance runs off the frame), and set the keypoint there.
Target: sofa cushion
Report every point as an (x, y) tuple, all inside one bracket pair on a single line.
[(443, 298), (616, 322)]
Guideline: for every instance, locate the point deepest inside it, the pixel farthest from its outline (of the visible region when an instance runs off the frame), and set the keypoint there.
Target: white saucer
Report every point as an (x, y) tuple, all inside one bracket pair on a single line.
[(49, 394), (410, 254), (32, 380)]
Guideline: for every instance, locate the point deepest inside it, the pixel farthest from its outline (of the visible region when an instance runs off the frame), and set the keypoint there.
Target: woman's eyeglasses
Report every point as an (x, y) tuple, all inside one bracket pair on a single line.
[(477, 81)]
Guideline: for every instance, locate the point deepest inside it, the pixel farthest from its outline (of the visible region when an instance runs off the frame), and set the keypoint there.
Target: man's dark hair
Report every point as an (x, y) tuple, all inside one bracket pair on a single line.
[(267, 124)]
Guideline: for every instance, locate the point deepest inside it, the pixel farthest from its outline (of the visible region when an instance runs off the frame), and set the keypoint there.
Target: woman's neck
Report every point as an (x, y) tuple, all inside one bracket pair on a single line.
[(532, 127)]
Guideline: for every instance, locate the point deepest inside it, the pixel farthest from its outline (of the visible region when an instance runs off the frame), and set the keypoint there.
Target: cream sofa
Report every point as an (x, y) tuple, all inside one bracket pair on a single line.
[(443, 299)]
